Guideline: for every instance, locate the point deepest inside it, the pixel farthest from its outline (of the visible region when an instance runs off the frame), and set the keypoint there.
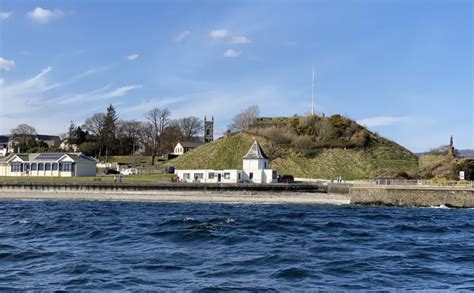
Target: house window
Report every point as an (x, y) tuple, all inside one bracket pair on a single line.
[(65, 167), (40, 166), (212, 175), (198, 176), (33, 166), (274, 174), (239, 176), (47, 166), (226, 175), (264, 165), (250, 175), (16, 167), (186, 176), (55, 166)]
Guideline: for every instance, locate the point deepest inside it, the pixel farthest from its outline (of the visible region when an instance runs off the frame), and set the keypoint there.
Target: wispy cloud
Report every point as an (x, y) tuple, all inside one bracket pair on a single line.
[(96, 95), (132, 57), (182, 36), (145, 105), (228, 36), (6, 64), (239, 40), (231, 53), (43, 16), (32, 101), (5, 14), (381, 121), (219, 34)]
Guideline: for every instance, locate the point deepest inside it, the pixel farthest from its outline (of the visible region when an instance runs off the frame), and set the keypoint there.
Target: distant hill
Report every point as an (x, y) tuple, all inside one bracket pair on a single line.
[(466, 153), (311, 146)]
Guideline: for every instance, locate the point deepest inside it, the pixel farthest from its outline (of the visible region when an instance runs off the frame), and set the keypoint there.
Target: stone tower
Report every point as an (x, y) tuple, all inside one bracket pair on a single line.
[(208, 129), (451, 150)]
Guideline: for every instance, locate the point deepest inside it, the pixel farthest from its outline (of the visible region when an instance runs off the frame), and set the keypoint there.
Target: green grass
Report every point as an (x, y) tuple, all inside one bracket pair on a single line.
[(357, 163)]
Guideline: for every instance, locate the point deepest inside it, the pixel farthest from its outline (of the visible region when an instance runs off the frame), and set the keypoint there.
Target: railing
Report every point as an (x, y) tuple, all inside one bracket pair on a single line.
[(396, 182), (415, 183)]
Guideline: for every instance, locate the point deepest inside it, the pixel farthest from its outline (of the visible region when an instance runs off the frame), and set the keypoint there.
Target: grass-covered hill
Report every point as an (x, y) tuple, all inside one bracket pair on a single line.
[(311, 146)]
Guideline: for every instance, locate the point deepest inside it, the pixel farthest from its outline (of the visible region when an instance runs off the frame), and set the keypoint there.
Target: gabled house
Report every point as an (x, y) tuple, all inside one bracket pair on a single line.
[(256, 169), (48, 164), (185, 146)]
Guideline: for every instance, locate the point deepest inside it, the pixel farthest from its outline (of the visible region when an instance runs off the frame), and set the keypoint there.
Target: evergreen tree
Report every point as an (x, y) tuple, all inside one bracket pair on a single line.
[(109, 130)]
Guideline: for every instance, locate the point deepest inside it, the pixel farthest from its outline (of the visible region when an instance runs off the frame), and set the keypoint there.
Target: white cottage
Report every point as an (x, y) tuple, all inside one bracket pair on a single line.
[(48, 164), (256, 169)]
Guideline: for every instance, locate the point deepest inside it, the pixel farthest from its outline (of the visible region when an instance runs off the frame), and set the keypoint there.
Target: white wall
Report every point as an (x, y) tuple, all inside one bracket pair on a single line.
[(227, 176)]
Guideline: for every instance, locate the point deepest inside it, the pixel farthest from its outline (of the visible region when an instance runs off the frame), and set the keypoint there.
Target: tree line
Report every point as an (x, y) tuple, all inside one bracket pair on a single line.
[(105, 134)]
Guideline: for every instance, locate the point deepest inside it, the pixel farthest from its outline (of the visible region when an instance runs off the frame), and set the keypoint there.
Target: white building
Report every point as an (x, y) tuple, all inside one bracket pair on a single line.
[(48, 164), (256, 169), (185, 146)]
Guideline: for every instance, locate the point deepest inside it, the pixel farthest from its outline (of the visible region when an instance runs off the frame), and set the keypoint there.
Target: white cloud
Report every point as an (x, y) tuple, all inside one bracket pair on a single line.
[(33, 101), (96, 95), (5, 14), (6, 64), (182, 36), (219, 34), (230, 53), (239, 40), (132, 57), (42, 16), (380, 121)]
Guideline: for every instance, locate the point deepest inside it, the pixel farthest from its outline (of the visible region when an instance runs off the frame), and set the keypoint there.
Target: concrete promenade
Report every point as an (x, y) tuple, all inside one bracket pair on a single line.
[(245, 193)]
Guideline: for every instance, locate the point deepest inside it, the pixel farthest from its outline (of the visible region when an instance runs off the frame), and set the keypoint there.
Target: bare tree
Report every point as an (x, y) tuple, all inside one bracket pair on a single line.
[(190, 126), (23, 133), (95, 124), (242, 120), (158, 120)]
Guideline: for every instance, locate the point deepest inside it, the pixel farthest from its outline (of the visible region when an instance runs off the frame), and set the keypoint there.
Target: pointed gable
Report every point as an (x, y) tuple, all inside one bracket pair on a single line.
[(255, 152)]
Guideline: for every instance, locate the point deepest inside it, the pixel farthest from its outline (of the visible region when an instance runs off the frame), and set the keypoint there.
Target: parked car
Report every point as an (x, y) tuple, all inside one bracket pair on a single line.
[(109, 171), (169, 170), (129, 171), (286, 179)]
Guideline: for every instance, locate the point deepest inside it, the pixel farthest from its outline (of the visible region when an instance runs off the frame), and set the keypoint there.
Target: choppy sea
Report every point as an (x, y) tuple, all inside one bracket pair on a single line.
[(53, 245)]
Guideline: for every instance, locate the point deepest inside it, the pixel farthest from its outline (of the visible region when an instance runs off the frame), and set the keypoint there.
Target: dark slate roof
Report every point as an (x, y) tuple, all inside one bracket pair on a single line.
[(255, 152), (4, 138), (45, 137), (80, 157), (191, 144)]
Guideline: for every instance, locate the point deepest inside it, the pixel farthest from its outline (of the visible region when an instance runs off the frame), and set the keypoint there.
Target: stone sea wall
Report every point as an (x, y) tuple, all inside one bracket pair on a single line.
[(419, 197)]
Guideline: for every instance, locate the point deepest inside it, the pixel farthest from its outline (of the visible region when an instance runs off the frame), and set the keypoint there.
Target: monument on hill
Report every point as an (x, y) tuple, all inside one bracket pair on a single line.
[(451, 149)]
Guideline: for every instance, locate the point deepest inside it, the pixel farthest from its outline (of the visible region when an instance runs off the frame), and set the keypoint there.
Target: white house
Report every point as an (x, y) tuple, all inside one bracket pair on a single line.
[(185, 146), (256, 169), (48, 164), (66, 146)]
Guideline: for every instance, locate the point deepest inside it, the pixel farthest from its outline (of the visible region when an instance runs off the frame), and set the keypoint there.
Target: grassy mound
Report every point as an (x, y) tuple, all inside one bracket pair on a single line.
[(314, 147)]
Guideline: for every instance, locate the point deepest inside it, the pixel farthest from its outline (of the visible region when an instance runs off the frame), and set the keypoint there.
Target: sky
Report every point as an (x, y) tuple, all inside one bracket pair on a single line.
[(402, 68)]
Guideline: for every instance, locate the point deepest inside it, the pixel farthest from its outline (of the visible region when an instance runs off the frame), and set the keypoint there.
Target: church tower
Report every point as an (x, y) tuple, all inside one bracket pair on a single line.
[(208, 129), (451, 150)]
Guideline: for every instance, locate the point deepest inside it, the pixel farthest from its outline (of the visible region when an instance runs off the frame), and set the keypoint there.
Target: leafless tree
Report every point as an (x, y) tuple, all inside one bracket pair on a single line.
[(95, 124), (190, 126), (23, 133), (158, 120), (242, 120)]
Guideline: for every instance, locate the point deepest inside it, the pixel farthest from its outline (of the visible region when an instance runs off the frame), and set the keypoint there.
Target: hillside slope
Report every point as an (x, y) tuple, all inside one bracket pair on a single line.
[(358, 154)]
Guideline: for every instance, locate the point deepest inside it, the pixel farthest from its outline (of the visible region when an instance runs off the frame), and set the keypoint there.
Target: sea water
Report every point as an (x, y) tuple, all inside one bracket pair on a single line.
[(48, 245)]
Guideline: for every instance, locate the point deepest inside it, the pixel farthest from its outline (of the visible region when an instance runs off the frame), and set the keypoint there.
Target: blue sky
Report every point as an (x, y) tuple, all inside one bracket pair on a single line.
[(403, 68)]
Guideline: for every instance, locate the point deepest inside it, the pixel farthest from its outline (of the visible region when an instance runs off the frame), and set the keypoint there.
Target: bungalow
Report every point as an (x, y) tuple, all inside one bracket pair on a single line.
[(255, 170), (185, 146), (48, 164)]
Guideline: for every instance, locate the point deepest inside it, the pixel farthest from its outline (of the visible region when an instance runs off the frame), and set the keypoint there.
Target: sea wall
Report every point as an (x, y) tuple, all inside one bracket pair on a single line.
[(131, 187), (419, 197)]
